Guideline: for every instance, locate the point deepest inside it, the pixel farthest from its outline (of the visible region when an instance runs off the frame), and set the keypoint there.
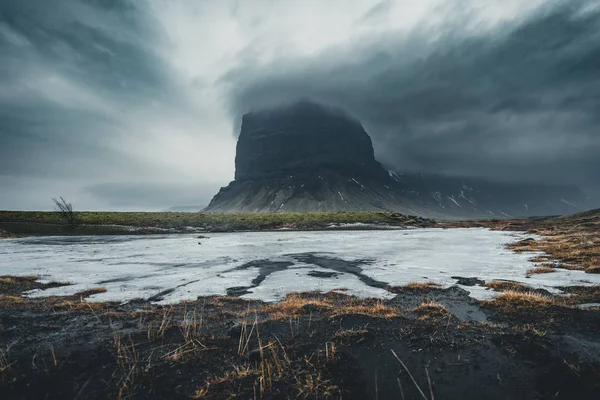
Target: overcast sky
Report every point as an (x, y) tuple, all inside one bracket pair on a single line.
[(134, 104)]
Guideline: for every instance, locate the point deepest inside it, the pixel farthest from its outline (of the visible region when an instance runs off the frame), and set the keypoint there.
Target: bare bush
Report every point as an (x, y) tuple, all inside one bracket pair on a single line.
[(66, 211)]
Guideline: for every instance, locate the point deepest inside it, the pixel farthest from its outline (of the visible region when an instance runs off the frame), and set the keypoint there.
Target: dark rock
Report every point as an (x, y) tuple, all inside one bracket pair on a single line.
[(311, 308), (256, 356), (321, 274), (235, 331), (468, 281), (237, 291), (304, 137)]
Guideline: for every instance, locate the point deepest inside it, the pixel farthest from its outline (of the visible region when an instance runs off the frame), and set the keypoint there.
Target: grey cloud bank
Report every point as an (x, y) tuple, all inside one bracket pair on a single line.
[(518, 102), (125, 104)]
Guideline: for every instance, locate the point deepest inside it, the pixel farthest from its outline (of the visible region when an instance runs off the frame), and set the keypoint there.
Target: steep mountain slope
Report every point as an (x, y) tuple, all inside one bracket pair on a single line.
[(307, 157)]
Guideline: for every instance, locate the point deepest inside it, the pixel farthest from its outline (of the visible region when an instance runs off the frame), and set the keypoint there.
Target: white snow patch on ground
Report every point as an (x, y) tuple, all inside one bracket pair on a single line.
[(143, 266)]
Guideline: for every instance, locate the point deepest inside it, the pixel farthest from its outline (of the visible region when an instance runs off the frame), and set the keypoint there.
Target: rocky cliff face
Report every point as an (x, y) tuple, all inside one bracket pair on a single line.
[(302, 139), (307, 157)]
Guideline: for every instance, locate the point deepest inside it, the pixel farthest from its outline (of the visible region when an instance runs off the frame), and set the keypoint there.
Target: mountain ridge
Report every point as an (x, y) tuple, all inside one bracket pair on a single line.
[(309, 157)]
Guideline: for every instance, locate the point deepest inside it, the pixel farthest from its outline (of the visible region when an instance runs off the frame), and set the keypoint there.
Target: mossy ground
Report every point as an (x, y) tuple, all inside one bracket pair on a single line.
[(215, 221)]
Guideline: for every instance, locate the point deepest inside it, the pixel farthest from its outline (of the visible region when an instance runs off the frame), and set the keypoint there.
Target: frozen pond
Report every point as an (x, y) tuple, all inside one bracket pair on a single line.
[(268, 265)]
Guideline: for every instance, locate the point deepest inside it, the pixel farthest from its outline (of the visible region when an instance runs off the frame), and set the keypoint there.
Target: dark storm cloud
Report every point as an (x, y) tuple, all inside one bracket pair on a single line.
[(516, 102), (71, 72)]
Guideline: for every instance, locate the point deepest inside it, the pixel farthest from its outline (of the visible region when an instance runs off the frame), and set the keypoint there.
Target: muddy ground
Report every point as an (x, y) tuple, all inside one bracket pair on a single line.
[(426, 343)]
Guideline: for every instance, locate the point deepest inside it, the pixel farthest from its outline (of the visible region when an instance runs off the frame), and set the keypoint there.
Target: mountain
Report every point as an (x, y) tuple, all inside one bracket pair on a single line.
[(309, 157)]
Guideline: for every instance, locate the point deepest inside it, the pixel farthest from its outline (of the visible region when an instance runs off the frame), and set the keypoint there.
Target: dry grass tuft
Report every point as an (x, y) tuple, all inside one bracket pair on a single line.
[(594, 269), (503, 286), (527, 244), (128, 360), (524, 298), (530, 329), (432, 310), (582, 294), (514, 304), (77, 305), (351, 335), (239, 373), (5, 364), (422, 285), (540, 270), (274, 368), (328, 304), (377, 309), (11, 300), (294, 305), (16, 285), (14, 280), (431, 306), (415, 287), (540, 259)]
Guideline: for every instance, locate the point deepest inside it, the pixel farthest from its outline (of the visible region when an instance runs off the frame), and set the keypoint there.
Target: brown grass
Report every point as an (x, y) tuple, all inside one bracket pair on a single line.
[(377, 309), (524, 298), (540, 259), (432, 310), (540, 270), (354, 335), (521, 305), (4, 362), (594, 269), (582, 294), (276, 367), (527, 244), (293, 306), (573, 239), (431, 306), (422, 285), (15, 280), (503, 286), (7, 300), (238, 373), (12, 287), (330, 304)]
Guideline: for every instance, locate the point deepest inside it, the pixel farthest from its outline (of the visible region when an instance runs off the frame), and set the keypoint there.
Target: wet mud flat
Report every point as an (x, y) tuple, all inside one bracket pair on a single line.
[(424, 343)]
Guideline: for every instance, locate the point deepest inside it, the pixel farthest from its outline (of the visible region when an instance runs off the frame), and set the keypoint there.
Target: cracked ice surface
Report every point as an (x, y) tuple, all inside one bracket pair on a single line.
[(177, 267)]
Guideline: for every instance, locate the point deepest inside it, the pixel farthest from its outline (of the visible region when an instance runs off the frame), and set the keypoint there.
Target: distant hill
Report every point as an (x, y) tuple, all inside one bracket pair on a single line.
[(185, 209), (308, 157)]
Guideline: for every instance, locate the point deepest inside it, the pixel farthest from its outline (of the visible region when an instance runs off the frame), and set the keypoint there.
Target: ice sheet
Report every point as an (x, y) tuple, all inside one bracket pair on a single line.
[(187, 267)]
